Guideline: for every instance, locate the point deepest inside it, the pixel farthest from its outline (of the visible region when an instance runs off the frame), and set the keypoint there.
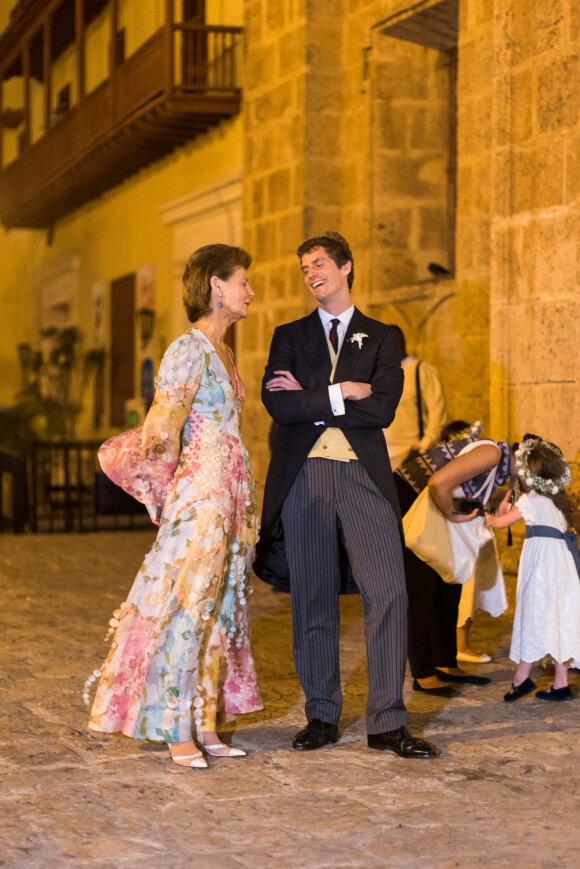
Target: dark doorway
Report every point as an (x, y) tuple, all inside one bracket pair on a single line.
[(194, 44), (122, 346)]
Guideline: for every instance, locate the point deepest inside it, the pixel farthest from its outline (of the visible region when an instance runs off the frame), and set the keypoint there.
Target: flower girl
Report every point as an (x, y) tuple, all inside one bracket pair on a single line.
[(547, 616)]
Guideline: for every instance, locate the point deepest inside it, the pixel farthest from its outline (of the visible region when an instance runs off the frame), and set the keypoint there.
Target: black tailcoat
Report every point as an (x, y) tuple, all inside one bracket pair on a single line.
[(301, 348)]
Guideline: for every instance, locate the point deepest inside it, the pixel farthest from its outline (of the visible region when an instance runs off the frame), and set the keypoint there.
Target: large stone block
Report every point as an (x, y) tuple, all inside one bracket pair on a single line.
[(475, 129), (476, 13), (253, 335), (393, 228), (558, 106), (266, 240), (290, 233), (253, 22), (433, 224), (429, 127), (542, 340), (324, 47), (471, 309), (476, 66), (574, 23), (482, 186), (538, 408), (523, 30), (550, 253), (522, 179), (259, 65), (464, 245), (323, 182), (275, 15), (354, 136), (257, 187), (501, 181), (548, 186), (393, 268), (505, 260), (320, 12), (259, 149), (277, 283), (278, 190), (391, 123), (550, 25), (402, 175), (272, 104), (316, 219), (521, 105), (572, 168), (322, 136), (323, 94), (401, 77), (355, 179), (292, 52), (482, 246)]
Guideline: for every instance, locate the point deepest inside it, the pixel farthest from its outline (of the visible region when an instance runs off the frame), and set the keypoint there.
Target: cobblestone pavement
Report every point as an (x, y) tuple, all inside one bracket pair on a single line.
[(504, 791)]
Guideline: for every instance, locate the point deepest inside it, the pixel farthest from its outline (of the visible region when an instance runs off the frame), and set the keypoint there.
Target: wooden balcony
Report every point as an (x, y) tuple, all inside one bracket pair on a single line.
[(183, 80)]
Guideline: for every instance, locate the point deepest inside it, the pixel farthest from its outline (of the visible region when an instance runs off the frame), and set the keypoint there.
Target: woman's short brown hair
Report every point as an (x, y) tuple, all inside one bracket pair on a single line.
[(220, 260)]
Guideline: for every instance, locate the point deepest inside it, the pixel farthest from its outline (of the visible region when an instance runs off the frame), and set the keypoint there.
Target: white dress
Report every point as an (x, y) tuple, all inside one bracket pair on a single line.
[(547, 617)]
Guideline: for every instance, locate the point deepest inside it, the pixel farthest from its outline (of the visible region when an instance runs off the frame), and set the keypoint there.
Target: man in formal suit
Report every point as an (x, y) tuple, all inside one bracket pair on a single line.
[(332, 383)]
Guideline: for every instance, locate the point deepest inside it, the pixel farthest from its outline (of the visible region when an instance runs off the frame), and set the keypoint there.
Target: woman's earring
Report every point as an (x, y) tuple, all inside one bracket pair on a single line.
[(220, 303)]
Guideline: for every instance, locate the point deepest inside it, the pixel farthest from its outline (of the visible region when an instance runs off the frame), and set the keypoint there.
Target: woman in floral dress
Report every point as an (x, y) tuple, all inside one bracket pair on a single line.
[(181, 650)]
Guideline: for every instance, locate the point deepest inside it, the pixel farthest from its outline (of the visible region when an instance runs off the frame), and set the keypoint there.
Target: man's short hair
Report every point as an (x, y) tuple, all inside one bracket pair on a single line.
[(401, 337), (335, 246)]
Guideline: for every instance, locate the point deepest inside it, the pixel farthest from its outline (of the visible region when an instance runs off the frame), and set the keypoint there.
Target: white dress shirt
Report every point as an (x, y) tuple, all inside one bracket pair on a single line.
[(334, 390)]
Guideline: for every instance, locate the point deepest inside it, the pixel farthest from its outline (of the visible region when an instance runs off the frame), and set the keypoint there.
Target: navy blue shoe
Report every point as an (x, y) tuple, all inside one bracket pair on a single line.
[(525, 687), (555, 694)]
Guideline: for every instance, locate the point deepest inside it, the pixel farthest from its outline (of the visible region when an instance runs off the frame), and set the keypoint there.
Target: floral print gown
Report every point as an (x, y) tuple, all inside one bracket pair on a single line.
[(181, 647)]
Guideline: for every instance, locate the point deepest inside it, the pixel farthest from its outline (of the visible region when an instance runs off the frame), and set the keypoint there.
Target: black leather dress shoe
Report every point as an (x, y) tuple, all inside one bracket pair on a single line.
[(468, 679), (402, 743), (443, 691), (316, 734)]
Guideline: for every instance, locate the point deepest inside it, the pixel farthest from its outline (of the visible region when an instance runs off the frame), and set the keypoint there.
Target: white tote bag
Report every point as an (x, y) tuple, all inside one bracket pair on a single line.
[(450, 548)]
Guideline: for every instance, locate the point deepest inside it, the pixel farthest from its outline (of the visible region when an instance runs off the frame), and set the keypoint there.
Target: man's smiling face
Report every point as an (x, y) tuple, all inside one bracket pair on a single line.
[(325, 280)]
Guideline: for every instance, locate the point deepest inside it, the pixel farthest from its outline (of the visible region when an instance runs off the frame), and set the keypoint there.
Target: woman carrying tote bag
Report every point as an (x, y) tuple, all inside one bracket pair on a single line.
[(444, 543)]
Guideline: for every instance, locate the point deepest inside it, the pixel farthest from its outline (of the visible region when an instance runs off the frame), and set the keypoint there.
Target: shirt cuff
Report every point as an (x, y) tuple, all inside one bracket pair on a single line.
[(336, 399)]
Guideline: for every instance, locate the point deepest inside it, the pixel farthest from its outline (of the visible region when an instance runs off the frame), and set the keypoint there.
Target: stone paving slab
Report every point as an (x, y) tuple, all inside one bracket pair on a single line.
[(505, 791)]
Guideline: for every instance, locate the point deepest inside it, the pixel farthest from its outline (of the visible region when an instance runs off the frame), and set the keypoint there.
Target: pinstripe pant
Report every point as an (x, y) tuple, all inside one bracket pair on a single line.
[(324, 494)]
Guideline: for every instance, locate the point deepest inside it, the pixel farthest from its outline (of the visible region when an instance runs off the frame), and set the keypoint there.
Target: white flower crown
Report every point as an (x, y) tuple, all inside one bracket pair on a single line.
[(533, 481)]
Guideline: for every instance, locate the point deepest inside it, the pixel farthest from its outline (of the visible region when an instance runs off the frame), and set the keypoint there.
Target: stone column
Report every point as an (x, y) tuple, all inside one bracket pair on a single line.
[(534, 303), (292, 91)]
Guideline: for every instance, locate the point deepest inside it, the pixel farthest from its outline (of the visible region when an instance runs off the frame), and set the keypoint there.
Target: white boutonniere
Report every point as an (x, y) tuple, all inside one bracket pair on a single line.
[(359, 338)]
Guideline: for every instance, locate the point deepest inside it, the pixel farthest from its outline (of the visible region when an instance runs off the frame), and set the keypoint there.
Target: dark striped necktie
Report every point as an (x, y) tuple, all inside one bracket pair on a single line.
[(333, 334)]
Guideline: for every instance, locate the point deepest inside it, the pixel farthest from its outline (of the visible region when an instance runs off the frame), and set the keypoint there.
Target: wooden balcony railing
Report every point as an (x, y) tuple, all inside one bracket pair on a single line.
[(180, 82)]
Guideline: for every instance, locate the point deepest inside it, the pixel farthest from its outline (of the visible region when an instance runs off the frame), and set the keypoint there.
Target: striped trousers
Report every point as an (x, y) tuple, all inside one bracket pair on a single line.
[(327, 496)]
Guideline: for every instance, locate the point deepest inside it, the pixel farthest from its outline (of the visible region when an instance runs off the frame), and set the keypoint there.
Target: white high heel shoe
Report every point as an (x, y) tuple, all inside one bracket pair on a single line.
[(219, 749), (195, 761)]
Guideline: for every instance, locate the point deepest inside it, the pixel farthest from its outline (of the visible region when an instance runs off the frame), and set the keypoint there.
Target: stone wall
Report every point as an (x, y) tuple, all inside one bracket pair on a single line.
[(347, 128), (535, 304)]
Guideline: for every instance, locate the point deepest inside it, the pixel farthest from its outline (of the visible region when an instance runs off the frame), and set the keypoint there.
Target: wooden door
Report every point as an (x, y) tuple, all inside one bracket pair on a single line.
[(122, 346)]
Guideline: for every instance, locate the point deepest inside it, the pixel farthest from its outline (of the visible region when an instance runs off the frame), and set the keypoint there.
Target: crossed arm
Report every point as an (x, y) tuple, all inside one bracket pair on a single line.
[(351, 389), (367, 404)]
